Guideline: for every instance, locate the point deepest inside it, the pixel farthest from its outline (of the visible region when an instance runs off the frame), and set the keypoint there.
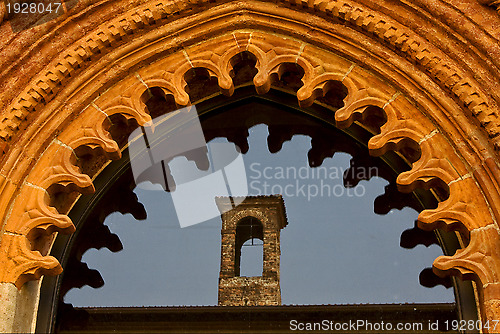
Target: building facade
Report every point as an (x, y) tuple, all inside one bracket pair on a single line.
[(422, 77)]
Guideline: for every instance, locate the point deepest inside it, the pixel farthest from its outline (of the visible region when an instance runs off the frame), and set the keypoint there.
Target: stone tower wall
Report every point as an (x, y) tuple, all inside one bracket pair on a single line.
[(251, 291)]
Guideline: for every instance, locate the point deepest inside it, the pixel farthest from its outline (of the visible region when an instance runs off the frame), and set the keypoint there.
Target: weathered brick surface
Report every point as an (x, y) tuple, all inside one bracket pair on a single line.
[(235, 290), (249, 291)]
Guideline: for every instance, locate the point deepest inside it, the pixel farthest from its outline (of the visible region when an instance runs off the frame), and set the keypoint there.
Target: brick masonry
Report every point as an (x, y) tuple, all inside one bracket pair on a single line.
[(264, 290)]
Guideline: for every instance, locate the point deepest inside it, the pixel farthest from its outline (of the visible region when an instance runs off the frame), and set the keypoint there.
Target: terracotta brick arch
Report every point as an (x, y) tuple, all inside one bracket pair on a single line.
[(431, 69)]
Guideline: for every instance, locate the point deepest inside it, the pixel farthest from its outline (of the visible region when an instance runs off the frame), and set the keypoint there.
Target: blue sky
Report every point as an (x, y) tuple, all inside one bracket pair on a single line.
[(335, 249)]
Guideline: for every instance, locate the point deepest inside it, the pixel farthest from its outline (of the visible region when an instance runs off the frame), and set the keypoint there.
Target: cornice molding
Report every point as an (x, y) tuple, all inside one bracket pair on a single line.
[(438, 65)]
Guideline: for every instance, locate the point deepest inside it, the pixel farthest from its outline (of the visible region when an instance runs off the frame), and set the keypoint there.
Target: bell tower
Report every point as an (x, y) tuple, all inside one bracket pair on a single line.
[(257, 217)]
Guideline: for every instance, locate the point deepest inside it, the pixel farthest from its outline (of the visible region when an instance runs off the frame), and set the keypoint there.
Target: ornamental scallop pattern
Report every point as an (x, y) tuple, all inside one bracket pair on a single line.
[(44, 87), (36, 214)]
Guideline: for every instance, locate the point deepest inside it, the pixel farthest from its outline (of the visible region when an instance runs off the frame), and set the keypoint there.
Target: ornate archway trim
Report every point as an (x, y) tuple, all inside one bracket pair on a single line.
[(429, 56), (17, 165), (33, 219), (43, 158)]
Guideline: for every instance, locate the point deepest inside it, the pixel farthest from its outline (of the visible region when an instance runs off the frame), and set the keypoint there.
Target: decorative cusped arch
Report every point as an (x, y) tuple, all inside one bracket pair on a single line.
[(61, 121)]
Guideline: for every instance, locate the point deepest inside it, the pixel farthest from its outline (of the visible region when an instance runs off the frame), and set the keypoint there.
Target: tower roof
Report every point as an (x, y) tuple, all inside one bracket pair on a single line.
[(227, 203)]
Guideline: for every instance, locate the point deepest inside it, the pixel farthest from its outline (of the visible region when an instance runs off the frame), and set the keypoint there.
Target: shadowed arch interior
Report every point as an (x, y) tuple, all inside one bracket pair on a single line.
[(222, 116), (441, 101)]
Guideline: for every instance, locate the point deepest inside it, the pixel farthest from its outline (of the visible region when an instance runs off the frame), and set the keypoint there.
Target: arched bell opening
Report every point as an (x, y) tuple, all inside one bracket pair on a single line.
[(249, 233)]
